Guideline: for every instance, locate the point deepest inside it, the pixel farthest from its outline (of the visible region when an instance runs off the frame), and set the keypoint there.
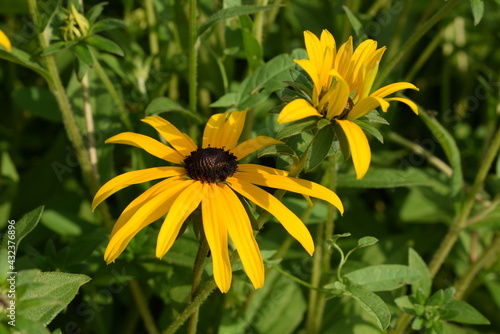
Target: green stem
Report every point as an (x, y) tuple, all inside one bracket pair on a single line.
[(192, 65), (258, 24), (59, 92), (89, 125), (329, 227), (460, 220), (424, 56), (197, 274), (301, 282), (420, 32), (117, 100), (152, 32), (142, 305), (311, 325), (489, 253)]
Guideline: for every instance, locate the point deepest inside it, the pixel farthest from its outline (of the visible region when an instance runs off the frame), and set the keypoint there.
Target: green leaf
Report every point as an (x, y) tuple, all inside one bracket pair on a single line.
[(58, 46), (320, 146), (371, 130), (95, 11), (384, 277), (424, 284), (477, 7), (229, 100), (61, 223), (253, 49), (370, 302), (406, 305), (450, 148), (294, 128), (232, 12), (39, 102), (24, 59), (357, 26), (344, 143), (277, 150), (374, 117), (48, 8), (84, 55), (104, 44), (27, 223), (388, 178), (107, 24), (60, 287), (367, 241), (464, 313), (265, 80), (441, 297), (164, 104)]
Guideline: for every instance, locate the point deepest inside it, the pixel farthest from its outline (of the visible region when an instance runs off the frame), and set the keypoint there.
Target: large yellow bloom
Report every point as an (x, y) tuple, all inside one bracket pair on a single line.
[(342, 81), (5, 41), (212, 177)]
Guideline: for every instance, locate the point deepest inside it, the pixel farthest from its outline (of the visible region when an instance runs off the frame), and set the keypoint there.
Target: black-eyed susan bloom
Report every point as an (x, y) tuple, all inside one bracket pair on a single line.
[(5, 41), (210, 177), (342, 82)]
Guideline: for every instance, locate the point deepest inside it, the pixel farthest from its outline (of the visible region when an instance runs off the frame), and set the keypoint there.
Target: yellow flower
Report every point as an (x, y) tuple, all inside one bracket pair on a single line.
[(5, 41), (342, 81), (210, 176)]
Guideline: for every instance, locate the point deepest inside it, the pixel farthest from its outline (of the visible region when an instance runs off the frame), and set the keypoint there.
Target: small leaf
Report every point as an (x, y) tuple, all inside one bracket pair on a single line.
[(357, 26), (226, 101), (277, 150), (372, 303), (320, 146), (95, 11), (465, 313), (477, 7), (450, 148), (58, 46), (425, 282), (344, 144), (374, 117), (367, 241), (294, 128), (384, 277), (84, 55), (406, 305), (253, 49), (370, 129), (107, 24), (164, 104), (24, 59), (61, 287), (232, 12), (104, 44)]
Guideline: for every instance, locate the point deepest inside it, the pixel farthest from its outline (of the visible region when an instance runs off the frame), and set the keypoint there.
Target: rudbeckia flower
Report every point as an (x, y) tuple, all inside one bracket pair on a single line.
[(5, 41), (209, 176), (342, 82)]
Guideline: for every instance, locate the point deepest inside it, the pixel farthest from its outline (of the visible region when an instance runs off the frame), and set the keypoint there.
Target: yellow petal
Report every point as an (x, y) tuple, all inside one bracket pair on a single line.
[(261, 169), (337, 97), (343, 59), (240, 230), (153, 205), (215, 225), (180, 141), (294, 226), (295, 110), (394, 87), (168, 185), (184, 204), (409, 103), (210, 134), (124, 180), (231, 131), (312, 71), (292, 184), (253, 144), (314, 50), (358, 144), (364, 106), (150, 145), (328, 43), (5, 41)]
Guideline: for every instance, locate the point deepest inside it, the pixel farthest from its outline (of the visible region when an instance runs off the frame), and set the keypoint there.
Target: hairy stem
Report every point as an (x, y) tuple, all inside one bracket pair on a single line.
[(142, 305)]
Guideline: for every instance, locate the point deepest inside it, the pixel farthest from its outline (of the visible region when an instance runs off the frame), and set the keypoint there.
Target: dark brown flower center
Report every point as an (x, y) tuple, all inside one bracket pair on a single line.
[(210, 164), (348, 107)]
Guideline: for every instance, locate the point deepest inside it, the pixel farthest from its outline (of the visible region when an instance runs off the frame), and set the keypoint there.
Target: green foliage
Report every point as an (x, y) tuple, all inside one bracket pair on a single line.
[(135, 56)]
